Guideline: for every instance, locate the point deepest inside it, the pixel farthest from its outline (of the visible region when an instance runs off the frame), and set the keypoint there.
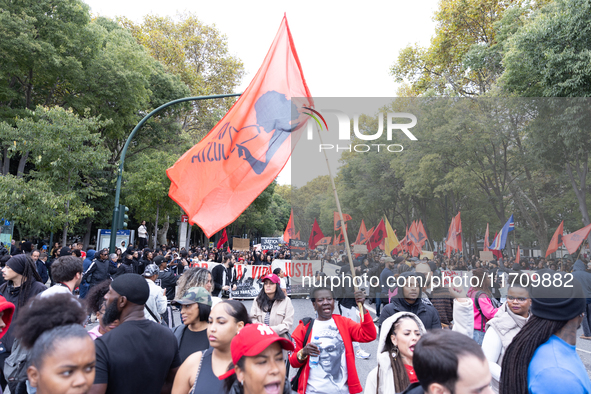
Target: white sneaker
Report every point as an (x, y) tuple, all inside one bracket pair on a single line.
[(362, 354)]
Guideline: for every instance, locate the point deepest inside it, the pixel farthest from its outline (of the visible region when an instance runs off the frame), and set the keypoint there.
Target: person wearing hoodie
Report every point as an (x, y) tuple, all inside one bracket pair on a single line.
[(6, 312), (395, 371), (581, 272), (501, 329), (22, 283), (84, 286), (409, 299)]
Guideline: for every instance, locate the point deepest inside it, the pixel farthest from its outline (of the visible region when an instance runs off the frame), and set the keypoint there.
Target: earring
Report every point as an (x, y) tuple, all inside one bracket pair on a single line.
[(396, 353)]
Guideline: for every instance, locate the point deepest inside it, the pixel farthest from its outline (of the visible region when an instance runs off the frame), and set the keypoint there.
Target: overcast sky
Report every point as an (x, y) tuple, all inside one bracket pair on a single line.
[(346, 48)]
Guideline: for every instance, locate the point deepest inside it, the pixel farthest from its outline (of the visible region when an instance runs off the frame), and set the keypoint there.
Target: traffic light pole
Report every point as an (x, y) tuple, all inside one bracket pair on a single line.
[(114, 226)]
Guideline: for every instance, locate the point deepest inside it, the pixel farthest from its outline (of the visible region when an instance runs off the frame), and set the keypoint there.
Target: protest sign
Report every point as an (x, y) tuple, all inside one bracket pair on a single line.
[(241, 244), (427, 254), (335, 248), (270, 243), (360, 249), (487, 256), (297, 245)]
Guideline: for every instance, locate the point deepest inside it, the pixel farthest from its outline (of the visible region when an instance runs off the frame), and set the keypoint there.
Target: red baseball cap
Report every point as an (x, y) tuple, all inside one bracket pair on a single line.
[(252, 340), (272, 277)]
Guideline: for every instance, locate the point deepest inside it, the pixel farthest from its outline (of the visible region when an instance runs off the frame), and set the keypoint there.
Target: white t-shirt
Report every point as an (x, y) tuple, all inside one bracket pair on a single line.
[(330, 376), (282, 283)]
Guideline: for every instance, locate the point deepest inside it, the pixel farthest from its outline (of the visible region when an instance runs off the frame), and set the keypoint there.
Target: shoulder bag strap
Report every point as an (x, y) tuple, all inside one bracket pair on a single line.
[(198, 370), (152, 314)]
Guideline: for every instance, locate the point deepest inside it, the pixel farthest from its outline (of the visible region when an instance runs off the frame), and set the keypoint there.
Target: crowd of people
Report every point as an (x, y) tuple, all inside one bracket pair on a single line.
[(496, 335)]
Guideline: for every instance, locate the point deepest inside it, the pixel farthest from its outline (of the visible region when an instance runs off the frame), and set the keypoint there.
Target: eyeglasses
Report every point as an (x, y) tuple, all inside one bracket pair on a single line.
[(518, 299)]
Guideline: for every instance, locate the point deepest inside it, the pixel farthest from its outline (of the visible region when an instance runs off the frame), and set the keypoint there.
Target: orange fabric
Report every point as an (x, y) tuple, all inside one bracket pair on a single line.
[(422, 234), (572, 241), (340, 239), (297, 236), (556, 240), (362, 235), (289, 230), (486, 244), (217, 179), (324, 241), (517, 255), (337, 220)]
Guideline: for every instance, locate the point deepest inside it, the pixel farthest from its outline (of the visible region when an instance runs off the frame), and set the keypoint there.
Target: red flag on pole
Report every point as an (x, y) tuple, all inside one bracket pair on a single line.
[(222, 240), (315, 236), (486, 244), (217, 179), (517, 255), (289, 230), (556, 240), (377, 237), (572, 241), (337, 220)]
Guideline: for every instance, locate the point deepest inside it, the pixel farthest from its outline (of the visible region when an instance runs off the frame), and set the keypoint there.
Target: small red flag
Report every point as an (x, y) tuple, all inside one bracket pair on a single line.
[(217, 179), (377, 237), (556, 240), (315, 236), (518, 254), (289, 230), (421, 233), (572, 241), (229, 251), (362, 235), (222, 240), (324, 241)]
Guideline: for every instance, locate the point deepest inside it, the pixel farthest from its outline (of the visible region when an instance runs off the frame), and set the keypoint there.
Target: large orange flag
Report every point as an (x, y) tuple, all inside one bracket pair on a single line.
[(289, 230), (421, 233), (572, 241), (217, 179), (556, 240)]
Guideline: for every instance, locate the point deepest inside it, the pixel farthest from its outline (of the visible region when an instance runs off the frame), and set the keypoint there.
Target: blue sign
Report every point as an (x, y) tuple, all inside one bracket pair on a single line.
[(119, 232)]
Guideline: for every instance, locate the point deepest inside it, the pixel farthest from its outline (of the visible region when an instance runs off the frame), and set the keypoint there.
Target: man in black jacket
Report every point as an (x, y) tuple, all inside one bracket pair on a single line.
[(224, 278), (408, 299), (166, 277), (100, 269)]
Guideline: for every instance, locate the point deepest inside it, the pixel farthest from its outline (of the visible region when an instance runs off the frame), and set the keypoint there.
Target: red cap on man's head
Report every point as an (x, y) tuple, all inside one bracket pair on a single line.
[(252, 340)]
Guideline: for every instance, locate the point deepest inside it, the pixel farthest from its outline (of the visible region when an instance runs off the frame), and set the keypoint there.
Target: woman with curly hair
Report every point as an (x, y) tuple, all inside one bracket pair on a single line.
[(195, 277), (95, 304), (61, 354)]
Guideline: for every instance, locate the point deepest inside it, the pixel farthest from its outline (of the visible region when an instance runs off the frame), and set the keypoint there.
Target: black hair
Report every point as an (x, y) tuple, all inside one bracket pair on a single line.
[(237, 310), (263, 300), (316, 290), (77, 252), (436, 357), (521, 350), (277, 271), (204, 311), (230, 380), (46, 320), (29, 273), (66, 268), (401, 380), (96, 296)]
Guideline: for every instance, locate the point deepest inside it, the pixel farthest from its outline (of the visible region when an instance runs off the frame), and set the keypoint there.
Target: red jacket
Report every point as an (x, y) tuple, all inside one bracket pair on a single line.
[(350, 331)]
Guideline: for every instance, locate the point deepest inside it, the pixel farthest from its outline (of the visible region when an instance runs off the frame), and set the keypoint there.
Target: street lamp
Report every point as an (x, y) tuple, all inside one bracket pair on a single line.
[(135, 129)]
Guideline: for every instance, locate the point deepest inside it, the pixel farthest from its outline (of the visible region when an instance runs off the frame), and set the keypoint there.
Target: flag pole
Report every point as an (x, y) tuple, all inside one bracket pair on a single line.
[(348, 248)]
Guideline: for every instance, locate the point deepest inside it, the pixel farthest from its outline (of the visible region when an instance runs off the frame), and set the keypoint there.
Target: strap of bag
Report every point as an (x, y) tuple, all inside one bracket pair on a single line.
[(296, 378), (198, 370), (152, 314), (482, 317)]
